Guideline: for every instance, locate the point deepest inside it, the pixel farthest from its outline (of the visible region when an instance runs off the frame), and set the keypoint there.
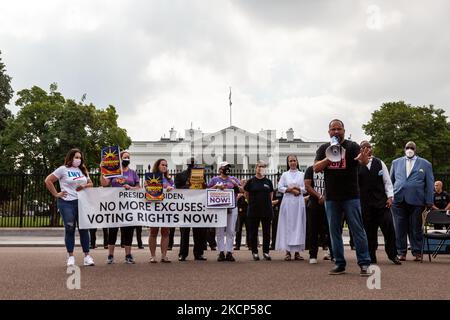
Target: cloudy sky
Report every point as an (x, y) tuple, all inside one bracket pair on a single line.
[(290, 63)]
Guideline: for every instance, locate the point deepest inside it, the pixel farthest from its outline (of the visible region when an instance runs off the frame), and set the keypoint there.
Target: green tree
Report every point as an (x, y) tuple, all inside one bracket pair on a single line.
[(48, 125), (396, 123), (6, 93)]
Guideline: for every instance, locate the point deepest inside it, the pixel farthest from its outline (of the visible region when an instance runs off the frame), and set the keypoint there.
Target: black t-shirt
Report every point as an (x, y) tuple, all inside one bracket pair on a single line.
[(317, 182), (441, 199), (259, 200), (341, 178)]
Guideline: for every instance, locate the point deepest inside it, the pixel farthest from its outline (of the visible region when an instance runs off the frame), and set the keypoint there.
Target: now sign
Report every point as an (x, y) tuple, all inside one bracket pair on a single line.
[(220, 198)]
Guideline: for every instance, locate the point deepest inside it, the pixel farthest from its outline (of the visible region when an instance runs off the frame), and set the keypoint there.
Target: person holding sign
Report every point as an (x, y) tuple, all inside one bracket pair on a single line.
[(183, 181), (225, 181), (129, 180), (73, 177), (291, 231), (259, 192), (161, 167)]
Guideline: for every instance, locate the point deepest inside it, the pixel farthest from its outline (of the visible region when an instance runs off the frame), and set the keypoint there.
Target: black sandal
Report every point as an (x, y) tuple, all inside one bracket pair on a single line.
[(298, 257), (287, 257)]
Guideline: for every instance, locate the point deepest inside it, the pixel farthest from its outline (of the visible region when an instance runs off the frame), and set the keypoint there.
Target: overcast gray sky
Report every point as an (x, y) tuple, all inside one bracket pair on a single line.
[(290, 63)]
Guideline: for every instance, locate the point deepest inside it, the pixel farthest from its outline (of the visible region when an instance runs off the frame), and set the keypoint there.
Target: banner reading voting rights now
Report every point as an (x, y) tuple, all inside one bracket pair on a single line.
[(116, 207)]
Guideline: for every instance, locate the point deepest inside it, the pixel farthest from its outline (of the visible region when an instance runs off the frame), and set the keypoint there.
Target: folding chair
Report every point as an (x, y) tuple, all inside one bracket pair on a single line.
[(435, 217)]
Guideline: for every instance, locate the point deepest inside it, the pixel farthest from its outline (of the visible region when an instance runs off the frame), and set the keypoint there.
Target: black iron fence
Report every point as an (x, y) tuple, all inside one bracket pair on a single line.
[(25, 201)]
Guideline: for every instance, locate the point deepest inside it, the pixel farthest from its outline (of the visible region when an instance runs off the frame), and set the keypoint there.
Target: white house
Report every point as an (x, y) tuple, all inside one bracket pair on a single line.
[(237, 146)]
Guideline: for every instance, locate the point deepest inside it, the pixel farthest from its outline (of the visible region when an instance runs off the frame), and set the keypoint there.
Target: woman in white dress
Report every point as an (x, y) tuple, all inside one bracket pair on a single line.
[(291, 232)]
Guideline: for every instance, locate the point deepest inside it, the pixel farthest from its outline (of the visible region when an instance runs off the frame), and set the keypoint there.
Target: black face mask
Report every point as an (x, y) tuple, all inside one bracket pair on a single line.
[(125, 163), (226, 171)]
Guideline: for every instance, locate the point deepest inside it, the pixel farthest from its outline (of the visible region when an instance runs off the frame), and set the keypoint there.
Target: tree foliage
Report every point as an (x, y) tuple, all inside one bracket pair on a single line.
[(48, 125), (396, 123), (6, 93)]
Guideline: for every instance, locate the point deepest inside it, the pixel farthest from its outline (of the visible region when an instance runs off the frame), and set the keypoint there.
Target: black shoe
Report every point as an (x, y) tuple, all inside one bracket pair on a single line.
[(396, 260), (267, 257), (181, 258), (272, 248), (237, 248), (169, 248), (337, 270), (213, 248), (93, 246), (105, 247), (364, 271), (221, 256), (141, 247), (200, 258), (255, 256), (230, 257)]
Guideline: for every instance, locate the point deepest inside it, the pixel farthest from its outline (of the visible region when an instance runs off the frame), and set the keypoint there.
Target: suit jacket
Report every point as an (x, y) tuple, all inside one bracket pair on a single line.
[(418, 188)]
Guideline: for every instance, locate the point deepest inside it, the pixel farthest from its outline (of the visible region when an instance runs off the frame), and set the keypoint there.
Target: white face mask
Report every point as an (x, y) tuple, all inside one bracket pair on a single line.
[(409, 153), (76, 162)]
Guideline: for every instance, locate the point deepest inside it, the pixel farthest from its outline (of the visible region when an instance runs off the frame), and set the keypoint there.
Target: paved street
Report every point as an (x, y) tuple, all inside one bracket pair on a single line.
[(40, 273)]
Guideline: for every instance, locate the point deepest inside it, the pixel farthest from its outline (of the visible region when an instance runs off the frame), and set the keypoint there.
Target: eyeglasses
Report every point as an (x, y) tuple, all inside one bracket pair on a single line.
[(410, 148), (260, 166)]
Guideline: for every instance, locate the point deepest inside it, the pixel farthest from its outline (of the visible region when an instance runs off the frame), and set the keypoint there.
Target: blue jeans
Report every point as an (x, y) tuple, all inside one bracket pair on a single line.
[(407, 223), (69, 214), (352, 210)]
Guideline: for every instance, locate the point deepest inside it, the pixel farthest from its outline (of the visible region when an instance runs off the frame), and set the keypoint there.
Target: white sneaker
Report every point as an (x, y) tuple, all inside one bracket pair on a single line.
[(312, 261), (88, 261), (70, 261)]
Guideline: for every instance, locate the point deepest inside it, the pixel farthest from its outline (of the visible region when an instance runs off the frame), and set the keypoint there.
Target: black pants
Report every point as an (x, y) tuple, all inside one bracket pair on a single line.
[(211, 238), (241, 221), (139, 236), (126, 234), (318, 232), (253, 223), (276, 213), (171, 236), (379, 217), (93, 234), (199, 241)]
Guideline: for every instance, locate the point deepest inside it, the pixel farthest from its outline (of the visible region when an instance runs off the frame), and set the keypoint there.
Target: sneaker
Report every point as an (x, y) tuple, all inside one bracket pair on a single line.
[(70, 261), (327, 255), (221, 256), (312, 261), (255, 256), (110, 259), (230, 257), (337, 270), (88, 261), (129, 259), (364, 271), (267, 257)]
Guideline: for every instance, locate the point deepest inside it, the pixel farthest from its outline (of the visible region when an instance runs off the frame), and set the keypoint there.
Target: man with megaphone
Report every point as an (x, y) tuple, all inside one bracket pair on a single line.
[(339, 160)]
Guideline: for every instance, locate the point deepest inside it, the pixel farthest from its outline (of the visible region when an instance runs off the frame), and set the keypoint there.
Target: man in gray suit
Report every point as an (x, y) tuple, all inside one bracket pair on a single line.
[(413, 181)]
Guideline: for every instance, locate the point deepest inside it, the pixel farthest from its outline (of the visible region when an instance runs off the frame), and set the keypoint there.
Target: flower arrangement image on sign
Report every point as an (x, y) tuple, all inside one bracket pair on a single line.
[(153, 186), (111, 164)]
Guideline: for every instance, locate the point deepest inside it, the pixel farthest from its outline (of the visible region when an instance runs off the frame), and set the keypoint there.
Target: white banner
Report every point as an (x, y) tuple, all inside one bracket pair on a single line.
[(116, 207)]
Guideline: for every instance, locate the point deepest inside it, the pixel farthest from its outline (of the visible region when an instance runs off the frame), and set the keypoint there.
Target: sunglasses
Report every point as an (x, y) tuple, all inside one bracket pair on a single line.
[(410, 148)]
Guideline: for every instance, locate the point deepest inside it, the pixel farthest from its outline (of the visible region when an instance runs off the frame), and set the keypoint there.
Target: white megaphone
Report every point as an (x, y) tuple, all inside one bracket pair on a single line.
[(333, 152)]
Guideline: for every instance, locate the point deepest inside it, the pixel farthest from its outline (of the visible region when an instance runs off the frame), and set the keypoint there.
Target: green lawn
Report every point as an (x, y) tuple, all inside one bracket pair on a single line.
[(14, 222)]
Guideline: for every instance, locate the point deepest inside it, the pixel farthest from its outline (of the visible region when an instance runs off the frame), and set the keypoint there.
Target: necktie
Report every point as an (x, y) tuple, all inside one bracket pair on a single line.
[(408, 167)]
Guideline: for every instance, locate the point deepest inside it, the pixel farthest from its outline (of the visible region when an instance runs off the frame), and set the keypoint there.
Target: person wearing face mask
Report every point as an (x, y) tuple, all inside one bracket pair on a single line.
[(129, 180), (343, 196), (73, 177), (413, 181), (259, 192), (291, 232), (225, 181)]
